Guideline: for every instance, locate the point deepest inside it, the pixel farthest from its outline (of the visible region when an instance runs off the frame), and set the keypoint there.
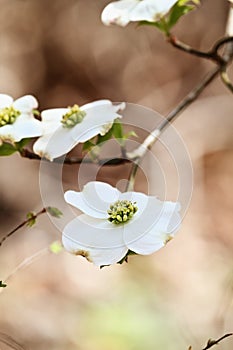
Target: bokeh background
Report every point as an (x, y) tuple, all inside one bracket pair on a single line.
[(60, 52)]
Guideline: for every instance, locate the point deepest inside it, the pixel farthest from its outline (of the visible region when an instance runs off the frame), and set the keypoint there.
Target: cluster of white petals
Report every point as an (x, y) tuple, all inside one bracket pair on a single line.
[(103, 242), (88, 121), (124, 11), (16, 118)]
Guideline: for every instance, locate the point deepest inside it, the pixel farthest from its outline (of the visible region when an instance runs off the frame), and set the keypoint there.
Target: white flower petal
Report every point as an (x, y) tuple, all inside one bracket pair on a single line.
[(57, 140), (98, 115), (151, 10), (118, 12), (29, 127), (5, 100), (21, 129), (94, 200), (150, 235), (85, 131), (6, 132), (53, 114), (99, 257), (149, 243), (103, 242), (169, 220), (103, 257), (55, 145), (26, 104), (124, 11), (141, 200), (51, 122), (143, 220), (100, 240)]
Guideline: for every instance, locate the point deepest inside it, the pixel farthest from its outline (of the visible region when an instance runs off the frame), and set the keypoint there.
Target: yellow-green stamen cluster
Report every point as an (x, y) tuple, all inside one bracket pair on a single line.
[(8, 115), (72, 117), (121, 211)]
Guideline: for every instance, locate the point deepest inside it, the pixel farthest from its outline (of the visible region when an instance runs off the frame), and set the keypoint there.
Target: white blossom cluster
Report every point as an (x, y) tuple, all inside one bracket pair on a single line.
[(113, 224), (60, 129)]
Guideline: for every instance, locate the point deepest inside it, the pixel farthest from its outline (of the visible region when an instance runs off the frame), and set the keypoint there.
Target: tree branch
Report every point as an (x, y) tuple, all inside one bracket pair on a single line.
[(226, 80), (25, 153), (139, 153), (24, 223), (212, 342), (210, 55), (222, 63)]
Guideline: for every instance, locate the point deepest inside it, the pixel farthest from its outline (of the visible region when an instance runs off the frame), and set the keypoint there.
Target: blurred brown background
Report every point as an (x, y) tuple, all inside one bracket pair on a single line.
[(60, 52)]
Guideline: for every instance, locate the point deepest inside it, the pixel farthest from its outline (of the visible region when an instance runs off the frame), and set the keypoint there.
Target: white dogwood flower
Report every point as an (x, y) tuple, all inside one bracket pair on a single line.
[(114, 223), (64, 128), (124, 11), (16, 118)]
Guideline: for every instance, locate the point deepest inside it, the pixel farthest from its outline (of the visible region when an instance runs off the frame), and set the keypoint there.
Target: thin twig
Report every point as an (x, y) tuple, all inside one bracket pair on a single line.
[(9, 341), (221, 42), (25, 153), (192, 96), (24, 223), (222, 62), (226, 80), (139, 153), (26, 262), (210, 55), (212, 342)]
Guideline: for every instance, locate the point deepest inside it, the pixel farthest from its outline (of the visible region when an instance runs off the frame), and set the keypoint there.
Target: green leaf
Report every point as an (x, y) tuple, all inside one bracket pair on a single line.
[(161, 25), (56, 247), (88, 145), (31, 219), (104, 138), (130, 134), (117, 132), (6, 149), (2, 285), (20, 145), (117, 129), (94, 152), (181, 8), (185, 2), (125, 259), (176, 13), (54, 212)]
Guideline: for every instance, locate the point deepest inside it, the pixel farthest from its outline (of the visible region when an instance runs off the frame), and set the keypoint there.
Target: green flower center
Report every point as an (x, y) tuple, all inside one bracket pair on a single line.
[(8, 115), (121, 211), (73, 117)]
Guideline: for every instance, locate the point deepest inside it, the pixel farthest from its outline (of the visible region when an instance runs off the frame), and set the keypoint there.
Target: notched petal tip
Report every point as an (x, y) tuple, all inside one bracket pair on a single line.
[(26, 104)]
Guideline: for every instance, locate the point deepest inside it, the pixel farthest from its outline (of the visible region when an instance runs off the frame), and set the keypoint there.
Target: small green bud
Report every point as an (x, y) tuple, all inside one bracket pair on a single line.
[(56, 247), (31, 219), (2, 285), (54, 212)]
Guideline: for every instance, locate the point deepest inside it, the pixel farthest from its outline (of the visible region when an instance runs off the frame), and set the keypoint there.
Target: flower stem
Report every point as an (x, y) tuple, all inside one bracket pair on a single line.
[(24, 223)]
